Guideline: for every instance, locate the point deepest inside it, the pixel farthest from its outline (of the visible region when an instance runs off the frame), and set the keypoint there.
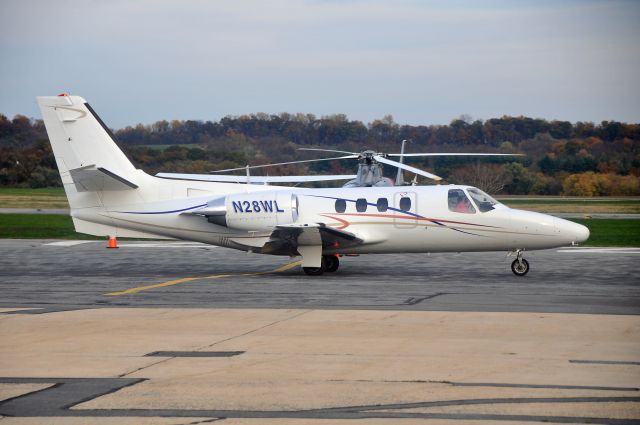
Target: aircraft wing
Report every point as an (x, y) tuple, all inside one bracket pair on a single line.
[(285, 239)]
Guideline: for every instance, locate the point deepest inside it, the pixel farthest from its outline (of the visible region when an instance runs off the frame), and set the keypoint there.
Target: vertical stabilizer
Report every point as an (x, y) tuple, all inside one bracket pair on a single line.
[(88, 159)]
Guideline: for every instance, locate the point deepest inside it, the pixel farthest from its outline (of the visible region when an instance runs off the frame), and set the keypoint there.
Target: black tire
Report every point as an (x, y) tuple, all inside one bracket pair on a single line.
[(331, 263), (520, 269), (313, 271)]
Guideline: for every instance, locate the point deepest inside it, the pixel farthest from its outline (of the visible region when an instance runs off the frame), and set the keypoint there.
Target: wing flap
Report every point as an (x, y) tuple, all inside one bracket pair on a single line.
[(285, 239)]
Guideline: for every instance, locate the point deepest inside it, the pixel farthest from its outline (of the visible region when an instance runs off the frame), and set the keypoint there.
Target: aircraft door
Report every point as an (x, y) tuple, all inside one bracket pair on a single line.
[(406, 205)]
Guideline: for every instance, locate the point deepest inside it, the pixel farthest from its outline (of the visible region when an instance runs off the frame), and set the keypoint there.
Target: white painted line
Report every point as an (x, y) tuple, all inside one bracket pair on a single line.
[(68, 243), (601, 251), (137, 245), (166, 245), (599, 248)]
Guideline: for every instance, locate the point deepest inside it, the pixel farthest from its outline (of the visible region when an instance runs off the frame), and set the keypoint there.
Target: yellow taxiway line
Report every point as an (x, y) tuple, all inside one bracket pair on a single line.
[(188, 279)]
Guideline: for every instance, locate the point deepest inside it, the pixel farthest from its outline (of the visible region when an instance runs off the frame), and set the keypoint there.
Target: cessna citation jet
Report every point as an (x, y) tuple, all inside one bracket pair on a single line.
[(108, 196)]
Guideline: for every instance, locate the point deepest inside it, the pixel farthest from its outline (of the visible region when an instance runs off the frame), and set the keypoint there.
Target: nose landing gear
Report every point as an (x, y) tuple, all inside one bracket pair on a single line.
[(520, 266)]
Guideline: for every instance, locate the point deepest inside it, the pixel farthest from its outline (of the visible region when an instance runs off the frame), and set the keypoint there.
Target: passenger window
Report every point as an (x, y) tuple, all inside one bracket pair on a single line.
[(361, 205), (458, 202), (383, 204), (405, 204), (341, 205)]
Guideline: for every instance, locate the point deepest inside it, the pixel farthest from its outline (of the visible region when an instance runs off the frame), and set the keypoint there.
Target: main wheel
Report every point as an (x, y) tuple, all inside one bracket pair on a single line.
[(317, 271), (520, 268), (313, 271), (331, 263)]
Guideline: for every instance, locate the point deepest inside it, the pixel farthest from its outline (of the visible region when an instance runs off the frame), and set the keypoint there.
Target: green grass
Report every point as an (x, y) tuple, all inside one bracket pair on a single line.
[(552, 201), (607, 232), (16, 191), (38, 226), (48, 197), (604, 232)]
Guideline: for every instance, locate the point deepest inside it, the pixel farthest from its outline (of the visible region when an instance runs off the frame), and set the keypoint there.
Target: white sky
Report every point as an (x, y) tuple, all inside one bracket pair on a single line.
[(424, 62)]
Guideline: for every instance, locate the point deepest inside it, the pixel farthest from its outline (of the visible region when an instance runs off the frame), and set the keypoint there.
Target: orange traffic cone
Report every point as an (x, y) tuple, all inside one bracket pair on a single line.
[(113, 243)]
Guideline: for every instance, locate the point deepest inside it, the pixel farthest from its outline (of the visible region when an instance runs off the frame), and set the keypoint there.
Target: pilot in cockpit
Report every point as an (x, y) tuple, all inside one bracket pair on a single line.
[(458, 202)]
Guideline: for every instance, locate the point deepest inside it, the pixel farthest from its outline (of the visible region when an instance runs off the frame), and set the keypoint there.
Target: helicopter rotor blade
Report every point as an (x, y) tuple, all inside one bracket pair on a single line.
[(454, 154), (255, 179), (406, 167), (251, 167), (328, 150)]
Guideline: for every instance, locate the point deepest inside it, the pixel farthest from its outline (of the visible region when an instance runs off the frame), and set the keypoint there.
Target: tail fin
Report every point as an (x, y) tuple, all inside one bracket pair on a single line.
[(87, 157)]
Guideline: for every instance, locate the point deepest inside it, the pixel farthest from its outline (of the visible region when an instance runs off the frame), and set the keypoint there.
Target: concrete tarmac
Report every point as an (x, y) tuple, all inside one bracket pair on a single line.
[(81, 274), (181, 333)]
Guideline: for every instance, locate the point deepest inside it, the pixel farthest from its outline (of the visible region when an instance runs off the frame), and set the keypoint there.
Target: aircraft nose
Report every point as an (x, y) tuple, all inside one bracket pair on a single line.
[(582, 232), (575, 232)]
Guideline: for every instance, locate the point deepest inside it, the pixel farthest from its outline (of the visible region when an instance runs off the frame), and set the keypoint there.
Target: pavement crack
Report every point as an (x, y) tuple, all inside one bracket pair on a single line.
[(418, 300), (256, 329), (206, 421), (487, 401), (123, 375), (393, 381), (606, 362)]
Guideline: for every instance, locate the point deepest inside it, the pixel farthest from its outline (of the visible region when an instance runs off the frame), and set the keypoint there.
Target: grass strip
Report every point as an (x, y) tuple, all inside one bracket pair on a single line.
[(49, 197), (611, 232), (21, 191), (551, 201), (39, 226)]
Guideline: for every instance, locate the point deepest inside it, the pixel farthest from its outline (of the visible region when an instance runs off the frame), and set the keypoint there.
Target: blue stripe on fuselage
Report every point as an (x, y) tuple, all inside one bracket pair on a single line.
[(162, 212)]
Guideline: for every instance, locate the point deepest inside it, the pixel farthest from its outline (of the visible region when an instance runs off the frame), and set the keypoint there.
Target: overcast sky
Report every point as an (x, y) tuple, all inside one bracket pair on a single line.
[(424, 62)]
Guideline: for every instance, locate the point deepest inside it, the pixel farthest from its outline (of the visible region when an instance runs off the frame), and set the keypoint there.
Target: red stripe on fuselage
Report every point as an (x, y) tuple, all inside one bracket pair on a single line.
[(394, 216)]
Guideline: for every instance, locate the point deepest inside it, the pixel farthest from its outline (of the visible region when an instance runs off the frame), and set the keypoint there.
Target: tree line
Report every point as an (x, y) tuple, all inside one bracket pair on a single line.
[(560, 157)]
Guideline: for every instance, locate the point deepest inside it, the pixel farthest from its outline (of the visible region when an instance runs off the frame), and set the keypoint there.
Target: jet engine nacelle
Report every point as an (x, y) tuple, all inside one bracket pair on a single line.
[(253, 211)]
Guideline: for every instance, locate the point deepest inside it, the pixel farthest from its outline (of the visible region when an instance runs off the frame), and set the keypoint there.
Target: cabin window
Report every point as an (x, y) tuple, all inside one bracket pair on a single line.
[(382, 204), (459, 202), (361, 205), (483, 201), (341, 205), (405, 204)]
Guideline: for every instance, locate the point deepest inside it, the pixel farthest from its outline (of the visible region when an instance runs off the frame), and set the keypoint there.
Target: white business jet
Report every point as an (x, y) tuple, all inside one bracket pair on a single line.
[(108, 196)]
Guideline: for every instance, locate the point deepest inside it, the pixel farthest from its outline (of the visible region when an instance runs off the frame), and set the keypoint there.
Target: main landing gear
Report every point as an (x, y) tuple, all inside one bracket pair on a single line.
[(330, 263), (520, 266)]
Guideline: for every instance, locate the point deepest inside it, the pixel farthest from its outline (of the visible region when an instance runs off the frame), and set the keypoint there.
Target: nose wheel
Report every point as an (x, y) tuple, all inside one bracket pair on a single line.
[(520, 266)]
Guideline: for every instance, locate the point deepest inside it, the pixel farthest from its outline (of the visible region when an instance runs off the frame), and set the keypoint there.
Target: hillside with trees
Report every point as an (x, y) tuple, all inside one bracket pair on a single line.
[(561, 158)]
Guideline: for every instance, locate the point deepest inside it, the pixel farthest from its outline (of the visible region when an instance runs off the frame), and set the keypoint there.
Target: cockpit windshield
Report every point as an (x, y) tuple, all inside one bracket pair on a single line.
[(458, 202), (483, 201)]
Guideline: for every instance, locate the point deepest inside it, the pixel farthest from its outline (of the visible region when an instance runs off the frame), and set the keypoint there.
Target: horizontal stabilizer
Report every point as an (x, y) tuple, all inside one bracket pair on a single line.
[(92, 178), (253, 179)]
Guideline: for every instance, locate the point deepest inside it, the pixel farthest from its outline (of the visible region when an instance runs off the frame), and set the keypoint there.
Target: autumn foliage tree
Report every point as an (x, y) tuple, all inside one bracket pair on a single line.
[(582, 159)]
